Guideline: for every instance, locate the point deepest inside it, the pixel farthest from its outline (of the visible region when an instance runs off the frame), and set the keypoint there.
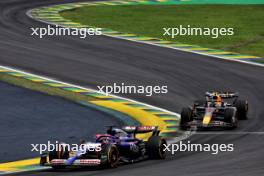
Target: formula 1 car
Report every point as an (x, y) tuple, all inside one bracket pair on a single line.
[(219, 109), (118, 145)]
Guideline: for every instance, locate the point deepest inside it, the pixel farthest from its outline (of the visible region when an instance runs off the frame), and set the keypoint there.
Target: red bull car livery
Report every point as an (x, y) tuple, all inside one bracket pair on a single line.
[(218, 109)]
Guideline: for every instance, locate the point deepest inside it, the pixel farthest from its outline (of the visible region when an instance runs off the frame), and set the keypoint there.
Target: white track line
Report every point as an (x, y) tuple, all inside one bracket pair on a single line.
[(88, 89), (219, 57)]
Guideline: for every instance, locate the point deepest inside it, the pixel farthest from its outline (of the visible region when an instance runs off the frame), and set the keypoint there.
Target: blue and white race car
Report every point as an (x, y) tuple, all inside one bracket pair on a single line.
[(118, 145)]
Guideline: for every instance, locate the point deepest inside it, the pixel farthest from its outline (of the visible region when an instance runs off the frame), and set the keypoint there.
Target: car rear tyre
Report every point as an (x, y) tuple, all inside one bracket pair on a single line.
[(186, 116), (110, 156), (242, 109), (156, 147)]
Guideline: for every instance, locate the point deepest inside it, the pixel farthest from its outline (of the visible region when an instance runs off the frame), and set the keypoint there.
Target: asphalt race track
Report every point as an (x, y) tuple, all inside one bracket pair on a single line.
[(103, 60), (29, 117)]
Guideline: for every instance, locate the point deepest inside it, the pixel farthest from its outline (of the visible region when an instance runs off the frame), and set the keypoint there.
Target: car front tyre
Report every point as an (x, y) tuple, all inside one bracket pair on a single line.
[(242, 109)]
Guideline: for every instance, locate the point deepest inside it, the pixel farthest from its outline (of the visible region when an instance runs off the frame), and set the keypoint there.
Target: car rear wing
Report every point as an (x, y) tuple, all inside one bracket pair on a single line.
[(223, 94), (141, 129)]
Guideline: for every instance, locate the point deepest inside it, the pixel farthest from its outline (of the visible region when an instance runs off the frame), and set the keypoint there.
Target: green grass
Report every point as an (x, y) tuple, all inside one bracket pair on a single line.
[(247, 21), (21, 82)]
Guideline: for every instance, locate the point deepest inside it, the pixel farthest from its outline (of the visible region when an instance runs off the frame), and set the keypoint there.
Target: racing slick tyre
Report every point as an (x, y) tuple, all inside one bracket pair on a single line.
[(186, 116), (109, 156), (242, 109), (155, 147), (58, 155), (230, 117)]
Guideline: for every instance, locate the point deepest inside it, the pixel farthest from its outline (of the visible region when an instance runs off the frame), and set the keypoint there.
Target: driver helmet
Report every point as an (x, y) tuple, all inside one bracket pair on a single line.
[(217, 99), (117, 132)]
